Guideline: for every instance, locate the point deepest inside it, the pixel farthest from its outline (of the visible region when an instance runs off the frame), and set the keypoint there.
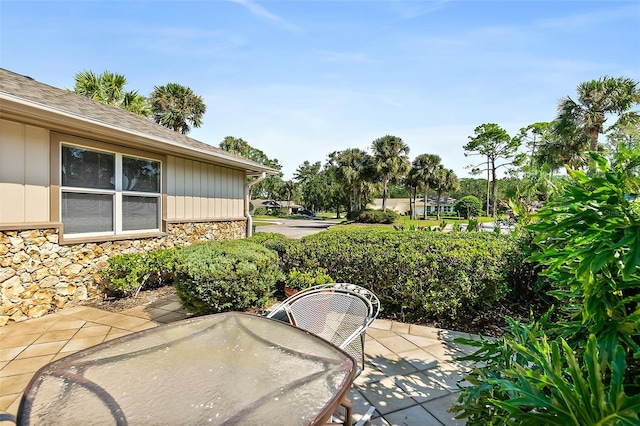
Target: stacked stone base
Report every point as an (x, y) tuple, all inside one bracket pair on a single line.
[(39, 276)]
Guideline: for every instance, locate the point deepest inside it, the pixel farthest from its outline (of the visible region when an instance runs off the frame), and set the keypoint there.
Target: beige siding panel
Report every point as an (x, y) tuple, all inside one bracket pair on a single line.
[(180, 185), (240, 182), (196, 187), (12, 171), (204, 190), (11, 203), (170, 178), (218, 192), (196, 190), (188, 189), (36, 206), (226, 190), (211, 191)]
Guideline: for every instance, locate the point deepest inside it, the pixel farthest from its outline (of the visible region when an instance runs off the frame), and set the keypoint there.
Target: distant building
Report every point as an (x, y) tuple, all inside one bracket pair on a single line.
[(272, 205), (402, 205)]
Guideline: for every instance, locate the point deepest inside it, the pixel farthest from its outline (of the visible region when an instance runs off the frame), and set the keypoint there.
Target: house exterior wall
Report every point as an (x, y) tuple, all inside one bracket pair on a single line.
[(24, 173), (42, 270), (197, 190)]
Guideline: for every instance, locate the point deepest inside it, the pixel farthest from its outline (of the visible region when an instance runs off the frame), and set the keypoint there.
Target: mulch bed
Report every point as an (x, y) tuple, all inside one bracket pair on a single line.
[(118, 304)]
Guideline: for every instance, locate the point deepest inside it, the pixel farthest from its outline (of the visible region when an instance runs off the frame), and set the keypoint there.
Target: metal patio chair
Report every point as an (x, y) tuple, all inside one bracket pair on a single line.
[(337, 312)]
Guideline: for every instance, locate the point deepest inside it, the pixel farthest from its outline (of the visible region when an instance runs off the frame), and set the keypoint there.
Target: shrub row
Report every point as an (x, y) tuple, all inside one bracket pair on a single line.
[(373, 216), (209, 277), (415, 274)]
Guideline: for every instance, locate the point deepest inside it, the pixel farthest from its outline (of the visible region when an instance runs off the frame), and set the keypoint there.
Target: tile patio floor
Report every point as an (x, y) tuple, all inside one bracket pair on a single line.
[(411, 374)]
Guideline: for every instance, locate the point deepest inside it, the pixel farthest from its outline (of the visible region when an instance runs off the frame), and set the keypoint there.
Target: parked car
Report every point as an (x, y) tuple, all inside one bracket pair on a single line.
[(307, 212)]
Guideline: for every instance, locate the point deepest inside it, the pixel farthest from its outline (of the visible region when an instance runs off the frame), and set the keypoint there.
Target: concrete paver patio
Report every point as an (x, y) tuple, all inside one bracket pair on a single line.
[(411, 376)]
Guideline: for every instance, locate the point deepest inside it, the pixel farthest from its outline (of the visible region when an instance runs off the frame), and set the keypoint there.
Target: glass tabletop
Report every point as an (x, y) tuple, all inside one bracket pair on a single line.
[(230, 368)]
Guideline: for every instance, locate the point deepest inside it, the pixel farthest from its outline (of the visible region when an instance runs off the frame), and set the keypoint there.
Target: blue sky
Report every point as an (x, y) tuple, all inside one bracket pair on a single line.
[(299, 79)]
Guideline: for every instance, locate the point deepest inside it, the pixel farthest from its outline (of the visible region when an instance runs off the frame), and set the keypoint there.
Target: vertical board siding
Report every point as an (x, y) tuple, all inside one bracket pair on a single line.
[(197, 190), (24, 173), (37, 165), (170, 178)]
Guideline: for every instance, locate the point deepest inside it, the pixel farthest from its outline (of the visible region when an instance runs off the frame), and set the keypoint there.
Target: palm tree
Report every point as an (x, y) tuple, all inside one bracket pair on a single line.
[(108, 88), (444, 180), (289, 187), (560, 147), (390, 157), (425, 165), (596, 99), (412, 182), (350, 165), (177, 107), (236, 146)]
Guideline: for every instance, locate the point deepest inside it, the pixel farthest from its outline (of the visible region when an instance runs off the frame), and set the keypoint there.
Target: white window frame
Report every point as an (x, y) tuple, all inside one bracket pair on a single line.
[(117, 193)]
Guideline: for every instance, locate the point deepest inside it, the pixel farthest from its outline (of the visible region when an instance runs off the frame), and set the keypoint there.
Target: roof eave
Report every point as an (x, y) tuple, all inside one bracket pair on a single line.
[(13, 107)]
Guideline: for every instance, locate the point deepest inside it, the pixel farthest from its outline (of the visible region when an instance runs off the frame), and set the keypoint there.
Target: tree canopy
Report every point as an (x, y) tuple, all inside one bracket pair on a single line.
[(390, 160), (177, 107), (585, 116), (108, 88)]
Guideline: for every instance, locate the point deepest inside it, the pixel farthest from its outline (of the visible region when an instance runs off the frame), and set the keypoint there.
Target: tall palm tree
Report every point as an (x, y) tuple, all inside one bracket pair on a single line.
[(425, 166), (412, 182), (596, 99), (177, 107), (444, 180), (566, 146), (108, 88), (289, 188), (350, 165), (390, 157)]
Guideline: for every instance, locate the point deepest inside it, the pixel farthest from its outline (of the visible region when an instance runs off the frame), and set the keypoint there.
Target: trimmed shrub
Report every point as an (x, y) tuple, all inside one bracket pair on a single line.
[(221, 276), (300, 280), (128, 273), (419, 275), (260, 211), (271, 240), (468, 206), (373, 216)]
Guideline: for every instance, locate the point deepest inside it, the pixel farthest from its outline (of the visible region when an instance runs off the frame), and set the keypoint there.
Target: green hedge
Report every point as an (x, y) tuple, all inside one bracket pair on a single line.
[(127, 273), (373, 216), (421, 275), (219, 276)]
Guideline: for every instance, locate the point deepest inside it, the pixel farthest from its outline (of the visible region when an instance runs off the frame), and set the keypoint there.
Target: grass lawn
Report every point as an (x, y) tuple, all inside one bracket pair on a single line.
[(406, 221)]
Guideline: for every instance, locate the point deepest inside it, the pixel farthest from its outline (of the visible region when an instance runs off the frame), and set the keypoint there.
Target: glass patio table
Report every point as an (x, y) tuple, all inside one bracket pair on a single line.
[(222, 369)]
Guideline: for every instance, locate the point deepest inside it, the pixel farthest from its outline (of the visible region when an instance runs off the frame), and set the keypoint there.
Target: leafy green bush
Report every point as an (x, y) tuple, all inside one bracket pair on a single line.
[(530, 379), (418, 275), (584, 366), (260, 211), (300, 280), (219, 276), (468, 206), (128, 273), (271, 240), (373, 216)]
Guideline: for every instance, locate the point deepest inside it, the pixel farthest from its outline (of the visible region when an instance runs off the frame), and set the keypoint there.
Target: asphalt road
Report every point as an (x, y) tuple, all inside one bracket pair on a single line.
[(295, 228)]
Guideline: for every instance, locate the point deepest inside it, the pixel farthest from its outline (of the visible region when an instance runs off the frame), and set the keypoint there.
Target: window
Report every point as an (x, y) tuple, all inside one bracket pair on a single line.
[(108, 193)]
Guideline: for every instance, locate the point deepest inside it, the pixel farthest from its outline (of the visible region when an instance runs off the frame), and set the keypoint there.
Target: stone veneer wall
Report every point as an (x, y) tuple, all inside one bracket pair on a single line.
[(39, 276)]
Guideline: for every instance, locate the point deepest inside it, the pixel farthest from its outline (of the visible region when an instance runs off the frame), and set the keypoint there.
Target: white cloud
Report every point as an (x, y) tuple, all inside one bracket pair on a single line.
[(261, 12)]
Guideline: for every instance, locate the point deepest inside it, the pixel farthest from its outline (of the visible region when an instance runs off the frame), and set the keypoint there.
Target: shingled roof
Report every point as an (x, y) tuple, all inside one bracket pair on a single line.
[(23, 96)]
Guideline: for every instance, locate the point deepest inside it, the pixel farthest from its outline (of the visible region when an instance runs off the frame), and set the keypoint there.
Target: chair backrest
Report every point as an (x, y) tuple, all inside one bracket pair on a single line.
[(337, 312)]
